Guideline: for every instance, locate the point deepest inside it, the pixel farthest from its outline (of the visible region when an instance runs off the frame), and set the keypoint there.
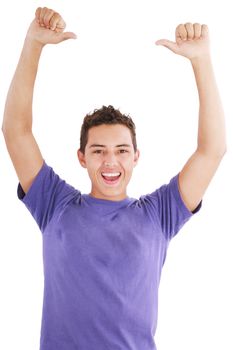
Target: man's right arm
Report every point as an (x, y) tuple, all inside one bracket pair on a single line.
[(47, 27), (17, 123)]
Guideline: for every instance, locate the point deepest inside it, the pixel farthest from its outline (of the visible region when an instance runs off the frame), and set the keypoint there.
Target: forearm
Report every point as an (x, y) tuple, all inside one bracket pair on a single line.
[(211, 126), (18, 107)]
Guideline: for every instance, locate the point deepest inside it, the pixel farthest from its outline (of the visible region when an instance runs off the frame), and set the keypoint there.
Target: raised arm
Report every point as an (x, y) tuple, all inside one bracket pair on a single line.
[(46, 28), (192, 42)]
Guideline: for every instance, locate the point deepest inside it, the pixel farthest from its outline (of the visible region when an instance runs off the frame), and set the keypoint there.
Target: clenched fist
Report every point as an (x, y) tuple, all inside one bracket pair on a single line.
[(48, 27), (192, 41)]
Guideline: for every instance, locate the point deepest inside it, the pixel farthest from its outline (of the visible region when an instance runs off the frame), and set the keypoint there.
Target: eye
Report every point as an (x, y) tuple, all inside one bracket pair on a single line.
[(123, 151), (98, 151)]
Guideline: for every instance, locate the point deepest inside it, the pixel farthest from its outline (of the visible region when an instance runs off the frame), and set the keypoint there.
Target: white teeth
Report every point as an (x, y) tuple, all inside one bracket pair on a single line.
[(111, 174)]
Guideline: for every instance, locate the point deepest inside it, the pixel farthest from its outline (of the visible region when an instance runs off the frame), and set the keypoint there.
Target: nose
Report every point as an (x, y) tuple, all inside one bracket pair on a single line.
[(108, 164), (110, 160)]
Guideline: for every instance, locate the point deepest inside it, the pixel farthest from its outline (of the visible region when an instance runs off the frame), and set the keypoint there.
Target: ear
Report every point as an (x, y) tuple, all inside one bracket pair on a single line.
[(81, 158), (136, 157)]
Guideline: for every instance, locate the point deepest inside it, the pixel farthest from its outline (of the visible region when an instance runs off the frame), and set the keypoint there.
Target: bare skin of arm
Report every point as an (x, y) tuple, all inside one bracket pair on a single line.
[(192, 42), (47, 28)]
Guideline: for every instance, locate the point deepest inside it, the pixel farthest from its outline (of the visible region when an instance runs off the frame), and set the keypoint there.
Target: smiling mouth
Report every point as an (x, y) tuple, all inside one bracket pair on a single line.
[(111, 178)]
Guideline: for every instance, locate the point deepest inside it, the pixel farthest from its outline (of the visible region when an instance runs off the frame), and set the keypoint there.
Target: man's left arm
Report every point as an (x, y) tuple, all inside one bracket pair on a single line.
[(192, 42)]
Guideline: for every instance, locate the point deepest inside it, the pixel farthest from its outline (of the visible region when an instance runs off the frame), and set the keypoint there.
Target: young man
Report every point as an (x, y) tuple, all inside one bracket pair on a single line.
[(103, 252)]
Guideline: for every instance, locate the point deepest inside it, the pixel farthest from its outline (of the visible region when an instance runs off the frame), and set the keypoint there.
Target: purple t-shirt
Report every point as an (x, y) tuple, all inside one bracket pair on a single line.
[(102, 262)]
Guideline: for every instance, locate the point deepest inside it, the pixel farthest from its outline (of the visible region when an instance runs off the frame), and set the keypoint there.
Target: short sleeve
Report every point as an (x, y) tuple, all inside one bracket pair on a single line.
[(171, 211), (47, 196)]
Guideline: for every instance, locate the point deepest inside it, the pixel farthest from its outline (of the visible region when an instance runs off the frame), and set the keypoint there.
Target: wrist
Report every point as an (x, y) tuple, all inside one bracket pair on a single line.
[(201, 60), (33, 45)]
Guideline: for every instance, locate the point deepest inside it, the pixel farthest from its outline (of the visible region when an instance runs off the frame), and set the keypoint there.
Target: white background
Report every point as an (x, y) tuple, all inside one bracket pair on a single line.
[(115, 61)]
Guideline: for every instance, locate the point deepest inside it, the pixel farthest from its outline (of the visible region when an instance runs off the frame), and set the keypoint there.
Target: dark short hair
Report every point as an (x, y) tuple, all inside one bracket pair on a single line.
[(106, 115)]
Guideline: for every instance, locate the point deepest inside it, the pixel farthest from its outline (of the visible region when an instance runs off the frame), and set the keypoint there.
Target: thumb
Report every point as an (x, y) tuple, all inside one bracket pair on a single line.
[(68, 35), (171, 45)]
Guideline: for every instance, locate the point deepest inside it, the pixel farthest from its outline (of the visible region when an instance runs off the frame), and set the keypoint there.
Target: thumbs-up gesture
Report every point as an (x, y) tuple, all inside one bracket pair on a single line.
[(48, 27), (192, 41)]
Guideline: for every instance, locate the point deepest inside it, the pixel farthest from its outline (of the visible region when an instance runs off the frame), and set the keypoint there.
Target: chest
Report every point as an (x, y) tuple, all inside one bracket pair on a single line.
[(118, 243)]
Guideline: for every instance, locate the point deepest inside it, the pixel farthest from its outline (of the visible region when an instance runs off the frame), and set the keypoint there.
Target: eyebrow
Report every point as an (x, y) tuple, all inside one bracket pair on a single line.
[(98, 145)]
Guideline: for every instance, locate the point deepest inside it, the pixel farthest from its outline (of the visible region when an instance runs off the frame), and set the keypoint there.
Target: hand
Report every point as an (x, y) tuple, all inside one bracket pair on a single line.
[(48, 28), (192, 41)]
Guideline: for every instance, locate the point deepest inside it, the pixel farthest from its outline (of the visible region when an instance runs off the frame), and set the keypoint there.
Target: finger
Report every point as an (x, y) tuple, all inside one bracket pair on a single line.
[(48, 15), (189, 30), (204, 31), (42, 14), (197, 30), (61, 24), (167, 43), (37, 14), (68, 35), (181, 33), (54, 20)]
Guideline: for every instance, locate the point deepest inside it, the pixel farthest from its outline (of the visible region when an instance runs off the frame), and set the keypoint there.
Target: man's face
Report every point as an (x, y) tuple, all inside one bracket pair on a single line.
[(109, 159)]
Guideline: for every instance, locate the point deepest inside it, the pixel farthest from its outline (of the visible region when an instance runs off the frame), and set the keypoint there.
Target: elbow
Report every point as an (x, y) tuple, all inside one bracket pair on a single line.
[(223, 151), (213, 153), (220, 153), (3, 129), (4, 124), (10, 129)]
